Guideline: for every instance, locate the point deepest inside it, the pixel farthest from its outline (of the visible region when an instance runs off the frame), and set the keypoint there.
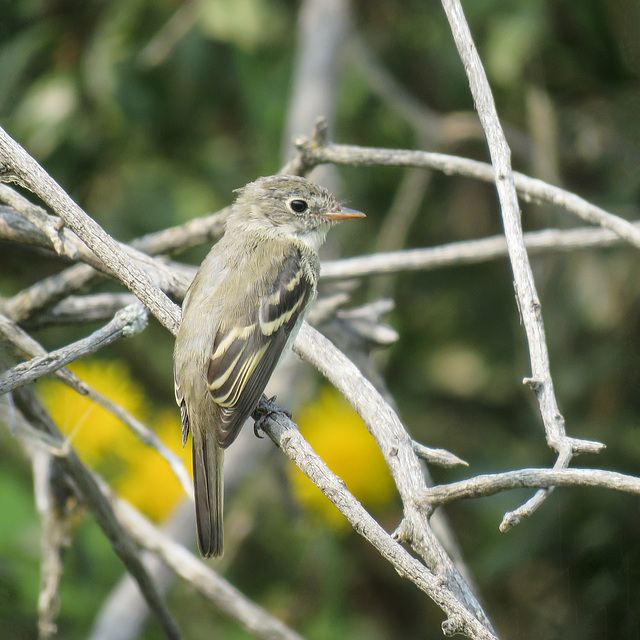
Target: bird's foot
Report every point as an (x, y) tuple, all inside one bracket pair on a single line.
[(266, 408)]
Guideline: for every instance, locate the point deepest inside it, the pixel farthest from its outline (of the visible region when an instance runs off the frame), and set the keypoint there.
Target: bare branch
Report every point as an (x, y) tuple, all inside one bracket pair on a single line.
[(467, 252), (126, 322), (439, 457), (286, 435), (398, 450), (38, 217), (202, 578), (317, 151), (32, 410), (18, 166), (490, 484), (96, 307), (190, 234), (527, 296), (48, 291)]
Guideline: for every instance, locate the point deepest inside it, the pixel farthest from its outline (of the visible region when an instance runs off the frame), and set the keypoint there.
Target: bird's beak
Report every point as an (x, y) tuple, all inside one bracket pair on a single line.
[(344, 213)]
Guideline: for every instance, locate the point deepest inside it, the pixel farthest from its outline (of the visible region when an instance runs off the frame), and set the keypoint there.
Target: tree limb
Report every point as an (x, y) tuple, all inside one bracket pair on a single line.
[(285, 434)]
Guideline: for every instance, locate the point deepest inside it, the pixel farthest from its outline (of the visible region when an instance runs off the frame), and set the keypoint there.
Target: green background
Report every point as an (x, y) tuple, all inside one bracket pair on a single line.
[(142, 144)]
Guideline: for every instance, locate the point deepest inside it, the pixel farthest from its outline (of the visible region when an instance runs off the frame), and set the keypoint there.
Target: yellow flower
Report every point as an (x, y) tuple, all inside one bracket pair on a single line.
[(340, 437), (149, 483), (139, 473), (96, 433)]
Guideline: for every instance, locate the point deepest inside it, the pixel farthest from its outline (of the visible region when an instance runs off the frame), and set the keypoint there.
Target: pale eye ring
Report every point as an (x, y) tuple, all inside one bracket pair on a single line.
[(298, 206)]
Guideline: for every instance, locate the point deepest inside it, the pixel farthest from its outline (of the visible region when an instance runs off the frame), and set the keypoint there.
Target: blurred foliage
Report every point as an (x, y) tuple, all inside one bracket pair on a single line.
[(149, 112), (109, 446), (339, 436)]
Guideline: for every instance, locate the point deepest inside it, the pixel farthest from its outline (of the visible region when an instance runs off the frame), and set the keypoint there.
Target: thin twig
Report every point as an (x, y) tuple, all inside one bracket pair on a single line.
[(524, 284), (438, 457), (38, 217), (32, 410), (95, 307), (48, 291), (201, 577), (126, 322), (467, 252), (490, 484), (318, 151)]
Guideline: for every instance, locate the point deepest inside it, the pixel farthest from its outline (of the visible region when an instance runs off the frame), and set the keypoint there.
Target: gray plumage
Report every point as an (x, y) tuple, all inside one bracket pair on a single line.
[(243, 308)]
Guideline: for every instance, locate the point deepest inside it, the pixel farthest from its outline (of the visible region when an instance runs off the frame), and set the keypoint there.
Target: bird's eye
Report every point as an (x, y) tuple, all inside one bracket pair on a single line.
[(298, 206)]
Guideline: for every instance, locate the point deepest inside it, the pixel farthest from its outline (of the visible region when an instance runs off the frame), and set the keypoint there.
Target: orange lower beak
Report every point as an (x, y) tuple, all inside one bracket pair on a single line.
[(344, 213)]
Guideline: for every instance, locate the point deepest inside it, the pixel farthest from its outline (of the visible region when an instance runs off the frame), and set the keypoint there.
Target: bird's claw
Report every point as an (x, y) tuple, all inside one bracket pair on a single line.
[(265, 409)]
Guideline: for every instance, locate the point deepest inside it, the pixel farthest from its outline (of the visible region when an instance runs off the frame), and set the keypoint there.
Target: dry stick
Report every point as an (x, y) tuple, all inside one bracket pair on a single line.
[(314, 151), (16, 165), (490, 484), (439, 457), (90, 308), (32, 348), (285, 434), (100, 306), (38, 217), (34, 412), (15, 228), (201, 577), (48, 291), (54, 538), (524, 284), (183, 236), (51, 289), (398, 450), (466, 252), (126, 322)]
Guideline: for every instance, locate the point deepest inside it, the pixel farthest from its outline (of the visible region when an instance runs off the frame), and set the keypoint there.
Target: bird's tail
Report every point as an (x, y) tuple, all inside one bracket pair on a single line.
[(208, 460)]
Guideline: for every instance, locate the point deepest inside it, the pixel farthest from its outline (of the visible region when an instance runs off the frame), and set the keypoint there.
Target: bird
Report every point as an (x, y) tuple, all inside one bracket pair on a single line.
[(240, 313)]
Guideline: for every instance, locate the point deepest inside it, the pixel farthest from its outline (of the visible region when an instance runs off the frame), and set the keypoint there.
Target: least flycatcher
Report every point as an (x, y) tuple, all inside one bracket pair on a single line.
[(243, 308)]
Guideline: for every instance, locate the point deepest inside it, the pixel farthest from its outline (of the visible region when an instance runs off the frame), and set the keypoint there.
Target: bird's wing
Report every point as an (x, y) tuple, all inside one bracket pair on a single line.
[(183, 407), (244, 357)]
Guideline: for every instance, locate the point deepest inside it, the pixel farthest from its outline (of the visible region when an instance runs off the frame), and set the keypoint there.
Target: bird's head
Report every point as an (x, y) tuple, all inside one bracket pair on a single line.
[(283, 205)]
